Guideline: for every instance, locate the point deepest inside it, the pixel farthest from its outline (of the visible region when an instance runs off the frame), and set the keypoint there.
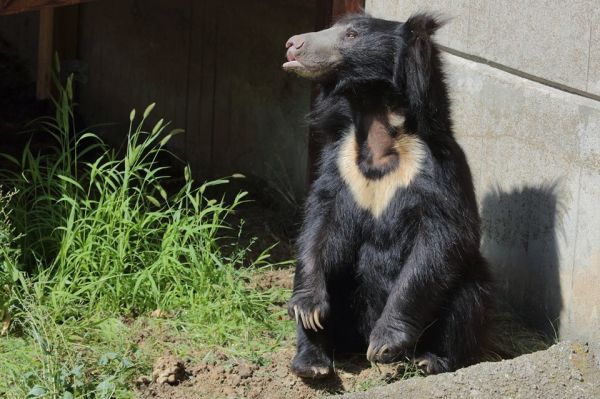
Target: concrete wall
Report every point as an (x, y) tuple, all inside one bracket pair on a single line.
[(525, 83)]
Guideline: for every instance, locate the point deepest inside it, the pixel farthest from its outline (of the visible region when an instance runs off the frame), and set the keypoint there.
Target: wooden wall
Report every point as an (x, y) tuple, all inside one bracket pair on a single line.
[(214, 68), (21, 32)]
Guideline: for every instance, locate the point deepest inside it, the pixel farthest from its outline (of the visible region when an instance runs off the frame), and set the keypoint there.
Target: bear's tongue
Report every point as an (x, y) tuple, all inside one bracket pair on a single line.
[(291, 63)]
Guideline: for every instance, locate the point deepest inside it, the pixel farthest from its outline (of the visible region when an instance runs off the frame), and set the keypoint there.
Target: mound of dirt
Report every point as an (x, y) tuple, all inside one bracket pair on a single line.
[(168, 370), (566, 370)]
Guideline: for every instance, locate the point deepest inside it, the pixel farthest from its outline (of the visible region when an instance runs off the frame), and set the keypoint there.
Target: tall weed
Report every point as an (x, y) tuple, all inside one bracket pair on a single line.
[(102, 234)]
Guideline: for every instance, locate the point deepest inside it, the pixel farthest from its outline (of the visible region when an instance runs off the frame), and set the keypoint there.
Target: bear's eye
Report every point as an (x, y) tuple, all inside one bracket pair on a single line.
[(351, 34)]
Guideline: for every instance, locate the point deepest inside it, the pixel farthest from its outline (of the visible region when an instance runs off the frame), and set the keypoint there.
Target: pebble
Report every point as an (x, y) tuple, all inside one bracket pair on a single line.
[(281, 372), (236, 380), (245, 371)]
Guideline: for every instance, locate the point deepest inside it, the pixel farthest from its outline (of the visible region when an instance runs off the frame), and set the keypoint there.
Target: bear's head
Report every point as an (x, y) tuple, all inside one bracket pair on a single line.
[(361, 50)]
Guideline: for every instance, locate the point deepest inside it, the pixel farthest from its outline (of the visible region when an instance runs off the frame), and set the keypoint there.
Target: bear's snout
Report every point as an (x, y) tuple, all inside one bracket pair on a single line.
[(295, 41)]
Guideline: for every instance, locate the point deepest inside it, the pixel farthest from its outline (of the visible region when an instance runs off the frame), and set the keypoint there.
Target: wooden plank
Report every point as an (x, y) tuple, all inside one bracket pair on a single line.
[(17, 6), (343, 7), (137, 52), (328, 11), (201, 89), (45, 50), (66, 32), (21, 31), (259, 126)]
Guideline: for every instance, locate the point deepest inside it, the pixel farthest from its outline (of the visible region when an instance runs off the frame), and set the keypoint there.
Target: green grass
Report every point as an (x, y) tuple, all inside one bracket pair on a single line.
[(67, 360), (92, 237), (9, 260)]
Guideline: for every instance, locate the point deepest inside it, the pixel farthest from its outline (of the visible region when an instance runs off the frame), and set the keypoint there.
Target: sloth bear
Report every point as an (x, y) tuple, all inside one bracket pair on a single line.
[(389, 258)]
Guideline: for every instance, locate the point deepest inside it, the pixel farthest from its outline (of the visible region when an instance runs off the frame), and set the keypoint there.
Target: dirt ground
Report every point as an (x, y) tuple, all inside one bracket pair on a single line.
[(231, 378), (566, 370), (215, 375)]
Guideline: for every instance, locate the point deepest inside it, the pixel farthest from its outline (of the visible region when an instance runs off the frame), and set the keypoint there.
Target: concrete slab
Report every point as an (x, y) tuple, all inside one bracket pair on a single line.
[(586, 268), (456, 12), (593, 85), (544, 38), (548, 39), (528, 145)]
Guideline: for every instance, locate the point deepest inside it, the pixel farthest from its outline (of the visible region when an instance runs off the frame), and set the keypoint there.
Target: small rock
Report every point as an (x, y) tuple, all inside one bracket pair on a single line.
[(576, 375), (281, 372), (228, 391), (290, 382), (158, 313), (142, 381), (168, 370), (245, 371), (236, 380)]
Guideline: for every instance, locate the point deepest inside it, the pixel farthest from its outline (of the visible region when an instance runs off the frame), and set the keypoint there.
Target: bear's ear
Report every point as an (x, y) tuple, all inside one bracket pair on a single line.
[(414, 66)]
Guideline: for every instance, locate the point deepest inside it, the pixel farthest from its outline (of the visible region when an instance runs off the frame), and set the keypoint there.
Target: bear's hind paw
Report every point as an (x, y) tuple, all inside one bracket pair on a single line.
[(432, 364), (314, 371)]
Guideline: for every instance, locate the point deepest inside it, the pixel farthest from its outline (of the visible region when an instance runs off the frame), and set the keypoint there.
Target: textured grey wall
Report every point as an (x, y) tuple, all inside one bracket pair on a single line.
[(525, 83)]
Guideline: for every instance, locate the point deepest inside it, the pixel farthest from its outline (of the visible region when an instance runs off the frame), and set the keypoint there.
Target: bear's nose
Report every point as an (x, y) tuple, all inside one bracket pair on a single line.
[(297, 41)]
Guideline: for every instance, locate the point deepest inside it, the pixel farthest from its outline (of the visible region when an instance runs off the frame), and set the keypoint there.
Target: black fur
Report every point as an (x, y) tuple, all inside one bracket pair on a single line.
[(412, 279)]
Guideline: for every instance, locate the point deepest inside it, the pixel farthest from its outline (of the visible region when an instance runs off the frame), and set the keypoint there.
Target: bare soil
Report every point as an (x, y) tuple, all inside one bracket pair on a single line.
[(566, 370), (216, 375), (236, 378), (569, 370)]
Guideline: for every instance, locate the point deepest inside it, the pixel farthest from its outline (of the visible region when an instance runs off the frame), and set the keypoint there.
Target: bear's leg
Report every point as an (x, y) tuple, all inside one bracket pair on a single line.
[(459, 337), (314, 353)]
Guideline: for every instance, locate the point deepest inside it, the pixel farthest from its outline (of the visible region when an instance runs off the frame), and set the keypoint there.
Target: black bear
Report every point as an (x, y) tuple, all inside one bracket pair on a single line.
[(389, 260)]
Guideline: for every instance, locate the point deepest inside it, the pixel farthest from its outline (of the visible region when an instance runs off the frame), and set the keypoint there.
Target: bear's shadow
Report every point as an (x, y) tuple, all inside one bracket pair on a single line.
[(520, 241)]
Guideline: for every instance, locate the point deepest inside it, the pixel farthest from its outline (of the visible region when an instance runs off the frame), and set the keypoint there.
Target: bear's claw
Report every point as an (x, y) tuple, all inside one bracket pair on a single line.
[(432, 364), (373, 354), (310, 321)]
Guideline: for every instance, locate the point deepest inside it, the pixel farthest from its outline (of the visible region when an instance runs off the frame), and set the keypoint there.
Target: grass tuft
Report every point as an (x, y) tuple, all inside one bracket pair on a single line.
[(100, 235)]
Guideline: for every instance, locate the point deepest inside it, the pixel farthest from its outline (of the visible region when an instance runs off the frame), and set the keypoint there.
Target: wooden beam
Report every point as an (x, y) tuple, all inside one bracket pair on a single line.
[(66, 32), (45, 53), (328, 11), (17, 6), (343, 7)]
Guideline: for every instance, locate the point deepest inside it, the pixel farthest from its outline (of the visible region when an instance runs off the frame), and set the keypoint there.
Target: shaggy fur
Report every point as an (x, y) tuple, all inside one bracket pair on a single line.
[(389, 259)]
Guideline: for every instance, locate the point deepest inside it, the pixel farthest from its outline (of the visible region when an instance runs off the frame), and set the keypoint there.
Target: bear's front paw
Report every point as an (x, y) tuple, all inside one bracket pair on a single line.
[(388, 343), (310, 309)]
